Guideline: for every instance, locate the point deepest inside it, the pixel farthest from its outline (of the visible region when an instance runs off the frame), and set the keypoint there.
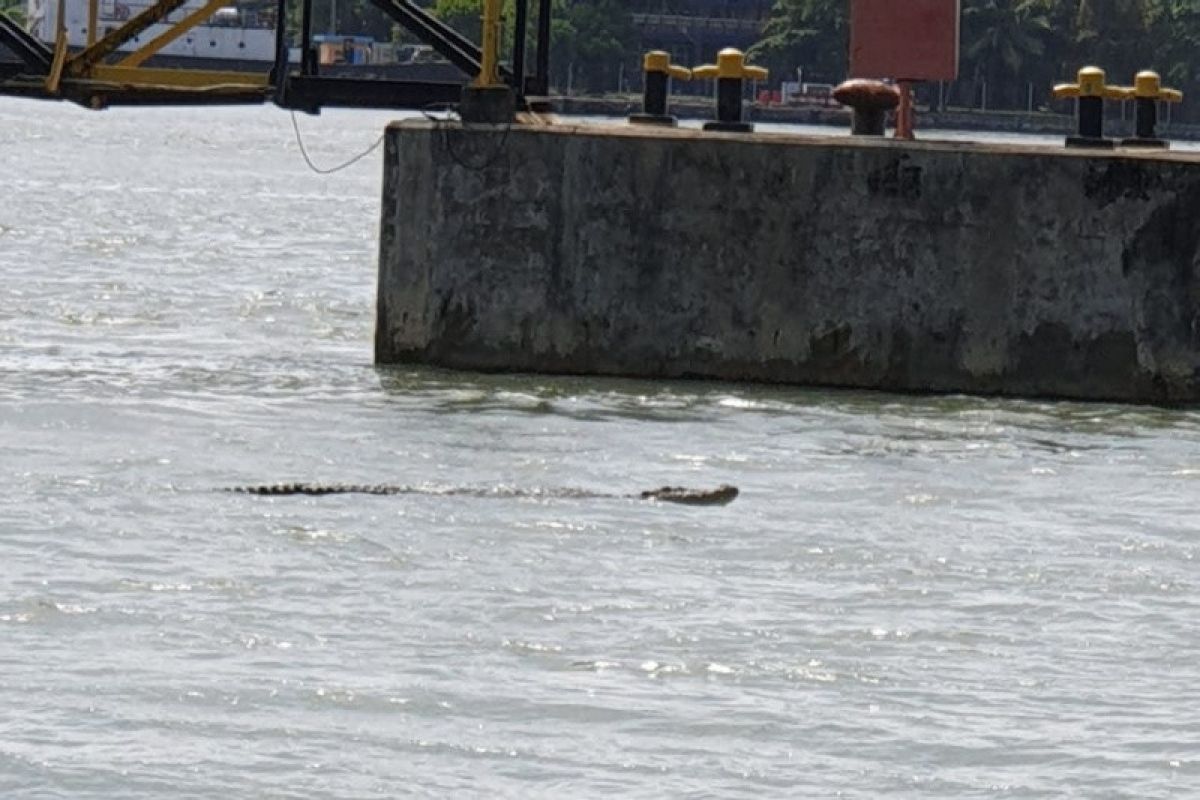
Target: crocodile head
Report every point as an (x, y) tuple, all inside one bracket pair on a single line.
[(722, 495)]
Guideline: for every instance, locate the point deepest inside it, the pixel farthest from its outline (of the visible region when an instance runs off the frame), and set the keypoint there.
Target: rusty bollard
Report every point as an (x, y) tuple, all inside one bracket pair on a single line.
[(870, 102)]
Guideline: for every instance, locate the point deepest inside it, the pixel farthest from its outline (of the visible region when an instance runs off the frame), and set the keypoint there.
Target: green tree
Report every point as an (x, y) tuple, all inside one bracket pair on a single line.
[(1175, 26), (1113, 34), (589, 38), (812, 35), (1005, 46), (462, 15), (14, 9), (1012, 44)]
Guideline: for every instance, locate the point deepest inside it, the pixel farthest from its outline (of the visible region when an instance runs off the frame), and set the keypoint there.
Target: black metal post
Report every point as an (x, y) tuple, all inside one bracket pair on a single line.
[(279, 72), (654, 100), (308, 62), (729, 99), (1091, 117), (654, 93), (729, 108), (521, 24), (1146, 117), (1145, 124), (1091, 125), (542, 82)]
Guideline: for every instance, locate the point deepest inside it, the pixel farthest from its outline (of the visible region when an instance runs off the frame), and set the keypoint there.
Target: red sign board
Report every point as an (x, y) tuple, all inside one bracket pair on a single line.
[(904, 39)]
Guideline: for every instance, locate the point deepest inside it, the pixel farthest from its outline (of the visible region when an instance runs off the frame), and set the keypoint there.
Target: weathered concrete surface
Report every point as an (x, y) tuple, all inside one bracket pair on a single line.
[(916, 267)]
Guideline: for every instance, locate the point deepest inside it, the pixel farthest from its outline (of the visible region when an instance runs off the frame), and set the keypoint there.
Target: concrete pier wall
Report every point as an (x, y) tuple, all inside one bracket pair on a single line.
[(815, 261)]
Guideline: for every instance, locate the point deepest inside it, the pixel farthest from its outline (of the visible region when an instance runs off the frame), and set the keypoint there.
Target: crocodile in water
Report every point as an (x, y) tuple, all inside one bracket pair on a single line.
[(722, 495)]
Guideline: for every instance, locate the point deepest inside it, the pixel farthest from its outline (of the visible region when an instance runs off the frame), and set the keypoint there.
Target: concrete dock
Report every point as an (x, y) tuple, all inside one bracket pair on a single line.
[(868, 263)]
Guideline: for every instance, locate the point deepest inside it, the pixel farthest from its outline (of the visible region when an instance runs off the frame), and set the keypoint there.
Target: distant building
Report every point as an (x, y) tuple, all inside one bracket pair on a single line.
[(692, 31)]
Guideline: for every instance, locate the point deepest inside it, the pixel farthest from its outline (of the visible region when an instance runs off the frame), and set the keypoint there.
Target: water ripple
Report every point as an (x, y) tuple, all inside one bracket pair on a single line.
[(934, 597)]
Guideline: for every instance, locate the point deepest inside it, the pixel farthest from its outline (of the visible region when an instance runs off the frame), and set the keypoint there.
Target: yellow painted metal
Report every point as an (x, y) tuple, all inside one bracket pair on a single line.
[(56, 66), (92, 55), (1148, 84), (489, 70), (1091, 82), (197, 79), (139, 56), (93, 21), (84, 77), (660, 61), (731, 63), (60, 51)]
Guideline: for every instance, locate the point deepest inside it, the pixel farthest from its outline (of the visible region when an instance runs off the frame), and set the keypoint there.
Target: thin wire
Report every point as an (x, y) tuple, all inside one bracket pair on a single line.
[(339, 167)]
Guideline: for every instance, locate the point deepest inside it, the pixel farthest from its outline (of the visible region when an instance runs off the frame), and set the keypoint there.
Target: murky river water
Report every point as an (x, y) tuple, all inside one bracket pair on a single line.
[(913, 597)]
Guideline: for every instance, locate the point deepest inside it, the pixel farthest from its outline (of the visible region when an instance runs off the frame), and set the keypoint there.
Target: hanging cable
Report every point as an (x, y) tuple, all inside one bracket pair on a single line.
[(443, 126), (339, 167)]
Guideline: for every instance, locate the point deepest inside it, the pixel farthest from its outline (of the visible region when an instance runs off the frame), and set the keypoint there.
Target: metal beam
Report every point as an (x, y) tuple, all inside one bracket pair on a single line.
[(90, 56), (311, 93), (489, 73), (308, 62), (279, 70), (60, 55), (521, 26), (139, 56), (449, 43), (33, 53), (201, 80), (542, 73), (93, 23), (92, 95)]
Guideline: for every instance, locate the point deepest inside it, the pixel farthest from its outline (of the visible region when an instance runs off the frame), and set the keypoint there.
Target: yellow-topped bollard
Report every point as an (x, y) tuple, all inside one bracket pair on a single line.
[(658, 62), (1147, 92), (731, 63), (1091, 90), (1148, 84), (731, 72), (658, 72), (1090, 82)]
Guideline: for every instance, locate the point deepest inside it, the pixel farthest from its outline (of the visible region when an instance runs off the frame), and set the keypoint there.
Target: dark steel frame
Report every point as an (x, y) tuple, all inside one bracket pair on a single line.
[(308, 90), (541, 80), (33, 54)]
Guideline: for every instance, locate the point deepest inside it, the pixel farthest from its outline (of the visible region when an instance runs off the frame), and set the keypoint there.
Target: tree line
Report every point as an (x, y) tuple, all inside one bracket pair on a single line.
[(590, 39), (1012, 49), (14, 9)]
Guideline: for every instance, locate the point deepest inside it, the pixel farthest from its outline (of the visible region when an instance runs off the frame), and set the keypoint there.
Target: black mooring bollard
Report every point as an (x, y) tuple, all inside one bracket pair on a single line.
[(731, 73), (658, 71), (1147, 91), (1091, 90)]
